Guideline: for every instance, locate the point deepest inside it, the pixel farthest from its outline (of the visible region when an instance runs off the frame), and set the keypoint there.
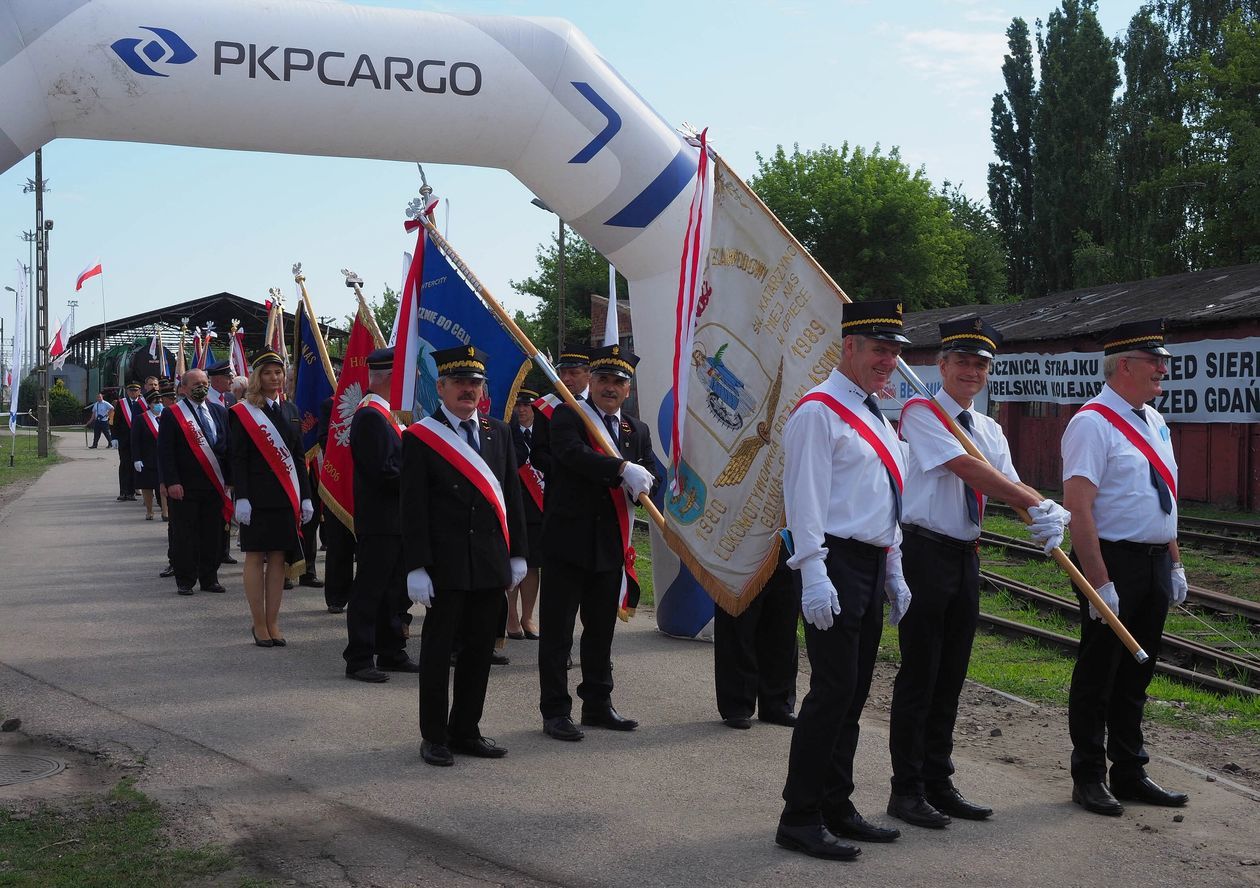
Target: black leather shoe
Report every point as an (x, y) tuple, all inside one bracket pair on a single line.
[(498, 659), (228, 559), (368, 674), (561, 727), (739, 722), (855, 826), (436, 754), (311, 580), (915, 810), (1148, 791), (335, 609), (1097, 799), (261, 642), (608, 718), (406, 664), (531, 635), (168, 572), (481, 747), (214, 587), (949, 800), (184, 590), (288, 584), (787, 719), (816, 841), (278, 641)]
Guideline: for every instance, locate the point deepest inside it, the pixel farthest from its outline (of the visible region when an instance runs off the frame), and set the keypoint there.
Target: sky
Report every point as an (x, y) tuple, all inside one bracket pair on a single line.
[(172, 223)]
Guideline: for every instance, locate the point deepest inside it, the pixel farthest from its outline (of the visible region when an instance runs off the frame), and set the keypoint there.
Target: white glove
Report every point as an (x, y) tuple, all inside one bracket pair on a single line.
[(636, 479), (308, 511), (1177, 595), (1107, 592), (895, 588), (1049, 520), (420, 587), (820, 604), (519, 567), (243, 511), (139, 465)]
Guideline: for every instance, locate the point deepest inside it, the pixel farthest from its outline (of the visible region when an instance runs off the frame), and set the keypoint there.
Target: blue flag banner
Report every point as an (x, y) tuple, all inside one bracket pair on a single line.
[(311, 385), (451, 314)]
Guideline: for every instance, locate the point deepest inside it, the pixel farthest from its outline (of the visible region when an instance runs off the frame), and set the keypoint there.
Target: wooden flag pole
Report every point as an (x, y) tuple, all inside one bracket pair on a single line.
[(911, 377), (300, 280), (539, 359)]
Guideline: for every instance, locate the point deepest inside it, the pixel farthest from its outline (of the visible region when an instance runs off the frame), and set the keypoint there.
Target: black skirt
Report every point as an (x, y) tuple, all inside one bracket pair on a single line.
[(272, 530), (533, 538)]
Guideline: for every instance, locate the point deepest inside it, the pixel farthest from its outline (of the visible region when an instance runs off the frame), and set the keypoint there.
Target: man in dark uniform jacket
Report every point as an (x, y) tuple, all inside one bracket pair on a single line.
[(524, 430), (584, 553), (755, 655), (338, 539), (124, 415), (220, 378), (195, 503), (379, 586), (574, 369), (460, 553)]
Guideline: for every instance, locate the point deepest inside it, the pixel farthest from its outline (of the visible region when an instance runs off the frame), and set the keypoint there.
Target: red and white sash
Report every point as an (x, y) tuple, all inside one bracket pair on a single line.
[(151, 423), (868, 434), (548, 403), (940, 414), (441, 438), (1138, 440), (125, 407), (532, 481), (270, 443), (628, 598), (200, 448), (375, 402)]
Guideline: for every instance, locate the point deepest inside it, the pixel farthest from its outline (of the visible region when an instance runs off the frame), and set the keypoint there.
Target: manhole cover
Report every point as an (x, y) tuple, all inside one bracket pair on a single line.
[(25, 768)]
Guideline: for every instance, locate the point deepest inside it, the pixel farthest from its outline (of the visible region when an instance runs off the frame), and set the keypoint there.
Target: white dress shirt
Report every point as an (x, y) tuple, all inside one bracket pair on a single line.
[(833, 481), (1127, 506), (935, 496), (455, 421)]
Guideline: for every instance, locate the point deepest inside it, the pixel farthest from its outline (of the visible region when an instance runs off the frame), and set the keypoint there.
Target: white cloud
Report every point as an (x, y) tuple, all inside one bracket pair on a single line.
[(954, 62)]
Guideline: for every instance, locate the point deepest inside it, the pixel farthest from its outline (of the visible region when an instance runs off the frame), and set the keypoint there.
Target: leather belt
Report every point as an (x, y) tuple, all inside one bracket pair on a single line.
[(1140, 548), (951, 542), (855, 546)]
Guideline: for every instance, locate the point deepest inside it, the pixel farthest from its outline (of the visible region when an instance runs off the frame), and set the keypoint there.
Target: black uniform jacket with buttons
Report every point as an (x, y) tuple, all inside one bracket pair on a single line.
[(252, 476), (448, 527), (177, 464), (120, 430), (525, 452), (579, 521), (376, 448)]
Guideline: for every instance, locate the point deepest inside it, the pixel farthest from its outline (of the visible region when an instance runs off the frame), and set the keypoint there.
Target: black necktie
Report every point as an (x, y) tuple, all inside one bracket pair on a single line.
[(892, 483), (467, 426), (973, 506), (207, 423), (529, 436), (1157, 480), (610, 422)]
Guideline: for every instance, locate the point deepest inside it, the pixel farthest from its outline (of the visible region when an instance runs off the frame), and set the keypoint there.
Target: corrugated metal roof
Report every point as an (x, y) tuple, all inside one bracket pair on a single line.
[(1185, 301)]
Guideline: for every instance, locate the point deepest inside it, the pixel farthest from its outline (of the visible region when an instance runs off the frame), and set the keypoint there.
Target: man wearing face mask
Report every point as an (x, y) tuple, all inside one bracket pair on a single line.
[(193, 461)]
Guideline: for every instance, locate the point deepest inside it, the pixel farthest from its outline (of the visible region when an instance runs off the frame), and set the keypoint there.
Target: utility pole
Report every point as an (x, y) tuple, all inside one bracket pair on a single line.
[(28, 335), (39, 185)]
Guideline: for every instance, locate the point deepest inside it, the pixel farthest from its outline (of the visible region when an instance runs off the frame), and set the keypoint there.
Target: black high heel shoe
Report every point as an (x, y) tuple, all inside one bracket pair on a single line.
[(261, 642)]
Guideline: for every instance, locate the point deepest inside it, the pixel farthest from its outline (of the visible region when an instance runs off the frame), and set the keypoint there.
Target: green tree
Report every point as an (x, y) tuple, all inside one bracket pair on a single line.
[(878, 228), (585, 273), (1079, 76), (1225, 171), (1011, 178), (984, 258)]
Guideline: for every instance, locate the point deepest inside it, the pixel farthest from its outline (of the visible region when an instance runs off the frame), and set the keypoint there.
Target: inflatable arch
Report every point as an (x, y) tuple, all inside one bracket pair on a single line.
[(530, 96)]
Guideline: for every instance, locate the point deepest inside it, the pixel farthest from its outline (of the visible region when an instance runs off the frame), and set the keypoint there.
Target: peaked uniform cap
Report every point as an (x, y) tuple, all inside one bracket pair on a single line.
[(877, 320), (971, 334)]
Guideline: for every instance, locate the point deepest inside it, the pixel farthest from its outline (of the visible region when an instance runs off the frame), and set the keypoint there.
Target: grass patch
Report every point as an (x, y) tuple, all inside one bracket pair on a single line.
[(110, 840), (26, 464)]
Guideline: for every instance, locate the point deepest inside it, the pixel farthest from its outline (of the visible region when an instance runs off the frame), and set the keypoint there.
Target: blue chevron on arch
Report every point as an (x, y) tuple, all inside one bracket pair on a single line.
[(653, 200), (604, 136)]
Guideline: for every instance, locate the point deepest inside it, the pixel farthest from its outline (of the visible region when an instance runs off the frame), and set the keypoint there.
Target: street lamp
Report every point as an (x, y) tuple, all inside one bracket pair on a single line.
[(559, 276)]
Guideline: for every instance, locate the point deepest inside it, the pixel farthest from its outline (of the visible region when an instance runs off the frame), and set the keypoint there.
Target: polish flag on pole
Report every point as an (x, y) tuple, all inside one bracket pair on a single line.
[(405, 337), (90, 272), (57, 352)]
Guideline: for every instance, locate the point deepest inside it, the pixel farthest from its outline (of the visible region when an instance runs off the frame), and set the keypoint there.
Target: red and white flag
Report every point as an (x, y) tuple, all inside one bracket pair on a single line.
[(405, 337), (690, 281), (236, 357), (90, 272), (57, 350)]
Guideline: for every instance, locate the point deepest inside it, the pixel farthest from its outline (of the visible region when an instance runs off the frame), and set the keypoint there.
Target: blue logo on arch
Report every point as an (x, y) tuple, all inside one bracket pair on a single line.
[(143, 54)]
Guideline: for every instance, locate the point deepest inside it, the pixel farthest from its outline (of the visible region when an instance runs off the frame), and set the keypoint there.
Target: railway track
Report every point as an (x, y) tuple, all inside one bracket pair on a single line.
[(1205, 598), (1185, 650)]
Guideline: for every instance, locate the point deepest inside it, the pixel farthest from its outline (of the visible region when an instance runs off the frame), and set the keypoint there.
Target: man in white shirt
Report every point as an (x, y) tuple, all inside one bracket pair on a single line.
[(842, 486), (946, 489), (1120, 484)]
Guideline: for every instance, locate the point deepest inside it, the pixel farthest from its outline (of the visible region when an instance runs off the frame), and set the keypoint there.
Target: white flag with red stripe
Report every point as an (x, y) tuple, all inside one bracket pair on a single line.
[(405, 337), (90, 272), (57, 350)]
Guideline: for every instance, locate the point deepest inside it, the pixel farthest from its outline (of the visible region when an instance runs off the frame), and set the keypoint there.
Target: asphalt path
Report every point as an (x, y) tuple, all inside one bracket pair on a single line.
[(96, 651)]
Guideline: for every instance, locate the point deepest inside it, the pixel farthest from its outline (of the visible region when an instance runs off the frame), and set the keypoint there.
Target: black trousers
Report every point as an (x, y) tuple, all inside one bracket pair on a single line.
[(572, 590), (100, 427), (126, 471), (935, 638), (1108, 690), (842, 660), (470, 616), (380, 594), (310, 545), (196, 531), (338, 560), (755, 654)]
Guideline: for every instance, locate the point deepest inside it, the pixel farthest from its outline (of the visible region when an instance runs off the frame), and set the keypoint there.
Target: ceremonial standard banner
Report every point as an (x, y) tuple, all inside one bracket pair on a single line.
[(336, 475), (452, 315), (1211, 380), (767, 330), (311, 385)]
